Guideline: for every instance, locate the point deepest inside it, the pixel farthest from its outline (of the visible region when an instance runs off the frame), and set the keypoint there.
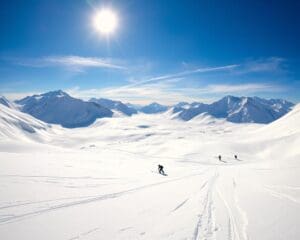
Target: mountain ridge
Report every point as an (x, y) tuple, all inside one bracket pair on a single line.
[(115, 105), (238, 109)]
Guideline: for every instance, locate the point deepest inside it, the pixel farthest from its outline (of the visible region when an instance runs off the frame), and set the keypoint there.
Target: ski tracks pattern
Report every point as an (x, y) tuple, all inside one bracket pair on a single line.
[(206, 226), (281, 195), (84, 234), (237, 218), (13, 218)]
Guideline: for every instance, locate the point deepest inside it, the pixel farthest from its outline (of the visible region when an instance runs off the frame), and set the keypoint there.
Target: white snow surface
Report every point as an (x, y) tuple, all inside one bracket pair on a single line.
[(4, 101), (101, 181), (16, 125)]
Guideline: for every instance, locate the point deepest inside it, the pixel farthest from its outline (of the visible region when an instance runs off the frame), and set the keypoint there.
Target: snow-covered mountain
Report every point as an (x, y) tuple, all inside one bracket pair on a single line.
[(154, 108), (134, 106), (237, 109), (114, 105), (60, 108)]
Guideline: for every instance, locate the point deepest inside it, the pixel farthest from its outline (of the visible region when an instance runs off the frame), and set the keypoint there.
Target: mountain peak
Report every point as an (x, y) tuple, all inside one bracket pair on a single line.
[(155, 104), (154, 108), (114, 105), (56, 93)]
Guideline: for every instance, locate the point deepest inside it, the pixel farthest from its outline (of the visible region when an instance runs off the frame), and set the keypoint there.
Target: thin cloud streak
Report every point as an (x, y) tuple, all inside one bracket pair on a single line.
[(136, 95), (82, 62), (272, 64), (72, 62), (267, 65), (182, 74), (241, 88)]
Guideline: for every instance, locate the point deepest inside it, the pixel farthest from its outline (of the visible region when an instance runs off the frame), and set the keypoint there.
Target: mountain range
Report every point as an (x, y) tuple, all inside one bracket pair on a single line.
[(236, 109), (58, 107)]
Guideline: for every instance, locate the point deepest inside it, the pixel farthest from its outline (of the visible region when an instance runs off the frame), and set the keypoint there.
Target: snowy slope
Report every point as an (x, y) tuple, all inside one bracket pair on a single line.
[(17, 125), (281, 139), (59, 108), (103, 183), (4, 101), (285, 126)]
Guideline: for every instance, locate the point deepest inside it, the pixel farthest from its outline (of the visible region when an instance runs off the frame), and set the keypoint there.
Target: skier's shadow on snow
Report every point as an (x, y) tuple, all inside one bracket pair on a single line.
[(222, 161), (163, 174)]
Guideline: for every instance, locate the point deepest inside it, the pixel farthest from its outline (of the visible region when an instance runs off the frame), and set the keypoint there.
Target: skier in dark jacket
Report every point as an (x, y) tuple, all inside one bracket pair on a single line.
[(161, 169), (220, 158)]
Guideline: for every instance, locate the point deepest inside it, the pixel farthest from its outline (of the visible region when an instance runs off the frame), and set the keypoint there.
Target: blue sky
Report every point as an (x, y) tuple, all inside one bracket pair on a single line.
[(165, 51)]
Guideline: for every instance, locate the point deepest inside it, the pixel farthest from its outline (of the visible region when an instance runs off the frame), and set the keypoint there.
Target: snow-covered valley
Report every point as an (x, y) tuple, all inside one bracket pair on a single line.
[(101, 181)]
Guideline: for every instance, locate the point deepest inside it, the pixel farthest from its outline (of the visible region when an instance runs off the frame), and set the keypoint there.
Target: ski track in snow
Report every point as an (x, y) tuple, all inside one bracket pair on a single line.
[(205, 227), (93, 199), (180, 205), (244, 219), (237, 227), (281, 195), (84, 234)]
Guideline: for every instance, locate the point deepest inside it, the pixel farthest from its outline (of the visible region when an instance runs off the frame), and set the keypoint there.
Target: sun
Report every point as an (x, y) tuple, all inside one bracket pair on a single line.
[(105, 21)]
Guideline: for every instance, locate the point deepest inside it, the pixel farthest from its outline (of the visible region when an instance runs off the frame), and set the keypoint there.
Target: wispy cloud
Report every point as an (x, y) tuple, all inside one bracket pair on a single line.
[(263, 65), (167, 94), (267, 65), (17, 95), (136, 95), (241, 88), (182, 74), (71, 62)]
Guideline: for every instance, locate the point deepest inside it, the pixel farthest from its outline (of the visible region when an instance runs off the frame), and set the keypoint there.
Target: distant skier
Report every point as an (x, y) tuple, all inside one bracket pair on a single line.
[(235, 157), (161, 169), (220, 158)]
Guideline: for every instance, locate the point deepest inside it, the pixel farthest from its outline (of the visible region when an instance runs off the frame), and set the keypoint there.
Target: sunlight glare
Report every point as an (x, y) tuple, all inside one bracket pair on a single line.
[(105, 21)]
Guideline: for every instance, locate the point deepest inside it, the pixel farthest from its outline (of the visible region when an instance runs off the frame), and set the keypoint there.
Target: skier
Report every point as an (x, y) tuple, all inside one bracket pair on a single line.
[(235, 156), (161, 169), (220, 158)]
